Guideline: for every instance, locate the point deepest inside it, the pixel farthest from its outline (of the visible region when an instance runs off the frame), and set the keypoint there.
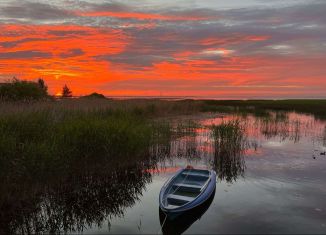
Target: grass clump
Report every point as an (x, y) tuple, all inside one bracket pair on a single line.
[(230, 143), (39, 142)]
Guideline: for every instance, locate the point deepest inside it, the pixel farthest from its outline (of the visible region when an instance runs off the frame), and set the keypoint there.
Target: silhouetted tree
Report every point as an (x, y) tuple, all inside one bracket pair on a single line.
[(42, 84), (20, 90), (66, 92)]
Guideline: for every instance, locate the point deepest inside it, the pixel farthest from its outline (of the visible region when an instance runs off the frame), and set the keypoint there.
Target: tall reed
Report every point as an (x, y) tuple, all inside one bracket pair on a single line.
[(230, 142)]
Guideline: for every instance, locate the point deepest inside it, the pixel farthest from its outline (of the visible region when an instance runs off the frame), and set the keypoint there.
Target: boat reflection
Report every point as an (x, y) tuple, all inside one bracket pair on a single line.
[(179, 224)]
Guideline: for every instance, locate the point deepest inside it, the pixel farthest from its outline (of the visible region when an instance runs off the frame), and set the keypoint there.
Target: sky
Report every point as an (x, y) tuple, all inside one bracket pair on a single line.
[(204, 48)]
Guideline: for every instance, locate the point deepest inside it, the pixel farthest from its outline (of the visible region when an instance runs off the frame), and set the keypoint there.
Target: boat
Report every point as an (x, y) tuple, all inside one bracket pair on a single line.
[(186, 190)]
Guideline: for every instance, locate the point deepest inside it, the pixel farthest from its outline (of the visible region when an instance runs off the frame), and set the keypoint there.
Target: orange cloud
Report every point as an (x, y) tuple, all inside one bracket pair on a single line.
[(81, 57), (258, 38), (61, 42)]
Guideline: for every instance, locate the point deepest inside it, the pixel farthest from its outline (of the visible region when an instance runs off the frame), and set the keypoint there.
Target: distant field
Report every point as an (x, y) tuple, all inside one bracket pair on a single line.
[(158, 107), (316, 107)]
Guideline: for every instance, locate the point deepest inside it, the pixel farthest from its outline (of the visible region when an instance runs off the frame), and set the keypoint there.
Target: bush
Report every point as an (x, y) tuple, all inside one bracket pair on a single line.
[(17, 90)]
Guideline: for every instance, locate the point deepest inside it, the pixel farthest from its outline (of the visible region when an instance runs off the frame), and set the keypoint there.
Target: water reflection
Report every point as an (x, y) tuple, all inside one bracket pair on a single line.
[(324, 137), (221, 148), (282, 127), (225, 150), (72, 204), (181, 223)]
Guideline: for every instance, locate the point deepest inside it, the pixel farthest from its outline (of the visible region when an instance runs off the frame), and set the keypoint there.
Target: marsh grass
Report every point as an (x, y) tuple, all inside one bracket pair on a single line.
[(42, 136), (41, 139), (230, 143), (57, 157), (141, 107), (83, 147), (40, 142)]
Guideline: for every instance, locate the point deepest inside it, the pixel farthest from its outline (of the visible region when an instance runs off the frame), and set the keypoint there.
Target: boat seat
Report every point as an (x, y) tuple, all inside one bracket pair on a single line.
[(188, 187), (178, 199), (171, 207)]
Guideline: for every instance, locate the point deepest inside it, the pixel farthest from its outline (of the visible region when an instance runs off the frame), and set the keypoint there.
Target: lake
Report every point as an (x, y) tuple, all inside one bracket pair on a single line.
[(271, 179)]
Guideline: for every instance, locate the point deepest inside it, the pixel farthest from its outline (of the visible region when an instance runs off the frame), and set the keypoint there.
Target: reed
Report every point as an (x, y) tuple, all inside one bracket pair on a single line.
[(39, 142), (230, 143)]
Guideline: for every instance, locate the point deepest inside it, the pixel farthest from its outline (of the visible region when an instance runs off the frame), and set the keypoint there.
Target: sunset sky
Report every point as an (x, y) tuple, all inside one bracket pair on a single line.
[(204, 48)]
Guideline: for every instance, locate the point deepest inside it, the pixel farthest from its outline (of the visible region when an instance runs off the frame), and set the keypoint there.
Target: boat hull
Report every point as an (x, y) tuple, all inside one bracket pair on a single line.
[(199, 200)]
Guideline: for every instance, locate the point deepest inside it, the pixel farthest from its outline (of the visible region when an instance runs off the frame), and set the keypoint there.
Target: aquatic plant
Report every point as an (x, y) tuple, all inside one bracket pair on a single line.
[(229, 142)]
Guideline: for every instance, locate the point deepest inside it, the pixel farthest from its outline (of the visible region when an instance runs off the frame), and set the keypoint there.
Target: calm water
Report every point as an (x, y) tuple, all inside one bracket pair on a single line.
[(275, 184), (272, 181)]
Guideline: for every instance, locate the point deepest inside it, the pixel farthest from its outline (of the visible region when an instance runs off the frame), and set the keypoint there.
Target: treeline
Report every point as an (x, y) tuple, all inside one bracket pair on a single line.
[(17, 90)]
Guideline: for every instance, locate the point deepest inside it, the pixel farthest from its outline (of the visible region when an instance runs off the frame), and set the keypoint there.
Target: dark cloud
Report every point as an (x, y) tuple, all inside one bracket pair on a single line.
[(33, 11), (111, 6), (199, 13), (65, 33), (72, 53), (299, 14), (160, 44), (134, 60), (286, 30), (24, 55), (11, 44), (155, 45)]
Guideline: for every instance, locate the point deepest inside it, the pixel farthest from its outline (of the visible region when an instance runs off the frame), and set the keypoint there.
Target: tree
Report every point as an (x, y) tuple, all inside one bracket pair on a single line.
[(42, 85), (20, 90), (66, 92)]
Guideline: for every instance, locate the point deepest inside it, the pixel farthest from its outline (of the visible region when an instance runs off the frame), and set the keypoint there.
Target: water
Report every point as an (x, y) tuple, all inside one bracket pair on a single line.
[(272, 180)]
